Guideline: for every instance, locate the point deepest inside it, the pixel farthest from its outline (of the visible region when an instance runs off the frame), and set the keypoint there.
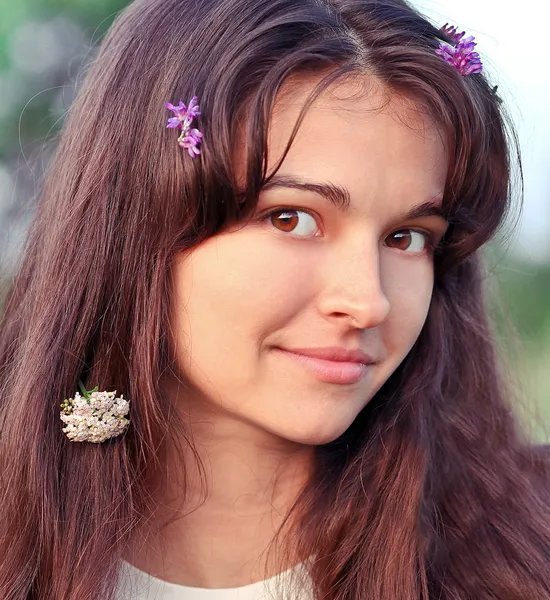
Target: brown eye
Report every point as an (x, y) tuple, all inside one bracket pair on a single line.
[(297, 222), (408, 240)]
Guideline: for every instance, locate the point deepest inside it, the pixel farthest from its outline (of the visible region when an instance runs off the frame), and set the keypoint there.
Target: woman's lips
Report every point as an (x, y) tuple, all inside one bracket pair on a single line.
[(329, 371)]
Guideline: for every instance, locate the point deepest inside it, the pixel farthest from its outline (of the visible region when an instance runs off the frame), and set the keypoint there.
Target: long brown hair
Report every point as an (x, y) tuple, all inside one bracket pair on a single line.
[(432, 493)]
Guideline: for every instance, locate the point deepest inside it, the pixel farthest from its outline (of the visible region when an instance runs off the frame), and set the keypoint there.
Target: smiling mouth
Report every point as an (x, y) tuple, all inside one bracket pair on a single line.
[(329, 371)]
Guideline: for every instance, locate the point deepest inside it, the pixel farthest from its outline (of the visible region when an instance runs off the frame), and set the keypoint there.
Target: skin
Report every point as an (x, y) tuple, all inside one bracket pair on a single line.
[(322, 277)]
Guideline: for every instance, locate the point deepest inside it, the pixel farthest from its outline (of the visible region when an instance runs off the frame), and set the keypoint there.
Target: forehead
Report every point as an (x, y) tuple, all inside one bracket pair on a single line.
[(356, 128)]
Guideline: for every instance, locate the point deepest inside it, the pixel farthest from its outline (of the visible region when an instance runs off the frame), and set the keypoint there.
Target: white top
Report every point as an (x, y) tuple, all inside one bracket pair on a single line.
[(292, 584)]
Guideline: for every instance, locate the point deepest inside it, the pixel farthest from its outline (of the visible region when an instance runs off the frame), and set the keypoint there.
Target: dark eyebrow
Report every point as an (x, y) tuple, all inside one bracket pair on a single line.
[(340, 196), (426, 209)]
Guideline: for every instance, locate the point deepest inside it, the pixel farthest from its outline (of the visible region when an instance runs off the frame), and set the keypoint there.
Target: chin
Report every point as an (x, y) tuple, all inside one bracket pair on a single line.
[(315, 435)]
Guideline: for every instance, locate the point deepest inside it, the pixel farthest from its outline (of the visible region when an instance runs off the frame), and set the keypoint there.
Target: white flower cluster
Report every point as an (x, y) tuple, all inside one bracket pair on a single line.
[(101, 417)]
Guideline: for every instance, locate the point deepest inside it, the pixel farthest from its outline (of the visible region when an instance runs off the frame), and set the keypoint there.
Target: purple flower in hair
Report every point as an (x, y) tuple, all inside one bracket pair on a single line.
[(462, 55), (193, 108), (189, 138), (452, 33), (180, 111)]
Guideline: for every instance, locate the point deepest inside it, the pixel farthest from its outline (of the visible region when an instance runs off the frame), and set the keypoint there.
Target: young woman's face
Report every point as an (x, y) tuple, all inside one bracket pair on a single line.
[(307, 273)]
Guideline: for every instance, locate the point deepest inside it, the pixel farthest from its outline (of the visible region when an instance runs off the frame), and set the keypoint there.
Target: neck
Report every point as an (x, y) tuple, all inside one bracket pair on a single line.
[(218, 522)]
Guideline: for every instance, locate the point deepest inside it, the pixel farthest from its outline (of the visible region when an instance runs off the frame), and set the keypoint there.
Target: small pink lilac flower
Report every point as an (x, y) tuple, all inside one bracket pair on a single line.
[(184, 115), (461, 56)]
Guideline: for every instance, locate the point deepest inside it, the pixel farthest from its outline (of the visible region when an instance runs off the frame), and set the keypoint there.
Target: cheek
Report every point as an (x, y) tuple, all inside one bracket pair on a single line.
[(409, 290), (230, 293), (236, 275)]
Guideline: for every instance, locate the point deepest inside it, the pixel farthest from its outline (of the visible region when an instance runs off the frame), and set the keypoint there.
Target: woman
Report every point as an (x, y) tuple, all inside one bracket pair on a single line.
[(285, 317)]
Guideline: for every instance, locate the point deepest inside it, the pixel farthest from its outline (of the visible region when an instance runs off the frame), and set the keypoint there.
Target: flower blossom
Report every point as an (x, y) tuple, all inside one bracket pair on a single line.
[(95, 416), (461, 56), (451, 32), (189, 138)]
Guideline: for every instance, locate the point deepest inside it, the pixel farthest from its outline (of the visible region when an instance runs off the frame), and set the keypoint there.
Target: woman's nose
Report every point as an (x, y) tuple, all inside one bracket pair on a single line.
[(353, 288)]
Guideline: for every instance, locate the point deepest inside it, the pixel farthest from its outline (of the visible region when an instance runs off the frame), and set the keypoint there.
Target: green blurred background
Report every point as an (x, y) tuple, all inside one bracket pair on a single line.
[(44, 45)]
